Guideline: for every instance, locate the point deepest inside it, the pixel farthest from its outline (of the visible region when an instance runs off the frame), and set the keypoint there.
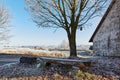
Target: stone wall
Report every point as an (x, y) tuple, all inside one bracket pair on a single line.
[(107, 40)]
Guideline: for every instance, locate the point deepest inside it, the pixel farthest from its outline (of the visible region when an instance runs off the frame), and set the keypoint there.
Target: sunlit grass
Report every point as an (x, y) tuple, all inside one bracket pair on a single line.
[(33, 52)]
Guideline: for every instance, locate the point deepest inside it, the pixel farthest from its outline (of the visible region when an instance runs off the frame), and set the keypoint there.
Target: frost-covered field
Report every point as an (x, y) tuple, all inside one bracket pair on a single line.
[(100, 69), (34, 52)]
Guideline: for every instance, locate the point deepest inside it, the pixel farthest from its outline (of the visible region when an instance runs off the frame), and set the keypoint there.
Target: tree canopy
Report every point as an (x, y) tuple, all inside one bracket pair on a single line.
[(63, 13)]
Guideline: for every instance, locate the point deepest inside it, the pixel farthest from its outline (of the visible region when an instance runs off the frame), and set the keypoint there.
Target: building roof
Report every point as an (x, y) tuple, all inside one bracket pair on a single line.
[(102, 20)]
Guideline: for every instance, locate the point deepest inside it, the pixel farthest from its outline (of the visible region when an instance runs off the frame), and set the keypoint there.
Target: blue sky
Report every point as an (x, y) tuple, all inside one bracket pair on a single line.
[(25, 32)]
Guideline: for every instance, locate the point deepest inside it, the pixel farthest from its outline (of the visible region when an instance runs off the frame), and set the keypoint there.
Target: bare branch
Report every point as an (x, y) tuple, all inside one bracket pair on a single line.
[(4, 24)]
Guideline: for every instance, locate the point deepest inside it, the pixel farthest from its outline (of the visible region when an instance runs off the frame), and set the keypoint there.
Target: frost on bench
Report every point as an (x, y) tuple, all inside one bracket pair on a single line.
[(64, 61)]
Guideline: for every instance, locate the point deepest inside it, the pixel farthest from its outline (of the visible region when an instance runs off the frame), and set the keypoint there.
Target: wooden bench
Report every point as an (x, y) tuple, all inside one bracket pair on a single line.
[(64, 61)]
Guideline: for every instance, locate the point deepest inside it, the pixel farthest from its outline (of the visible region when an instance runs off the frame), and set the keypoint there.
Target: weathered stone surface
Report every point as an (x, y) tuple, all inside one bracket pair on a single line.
[(29, 60), (107, 40)]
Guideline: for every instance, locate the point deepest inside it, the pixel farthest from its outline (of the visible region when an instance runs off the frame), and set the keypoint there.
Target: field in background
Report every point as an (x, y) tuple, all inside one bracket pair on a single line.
[(33, 52), (42, 52), (12, 55)]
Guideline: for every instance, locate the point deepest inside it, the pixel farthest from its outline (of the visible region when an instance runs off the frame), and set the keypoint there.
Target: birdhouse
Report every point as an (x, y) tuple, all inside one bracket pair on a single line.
[(81, 28)]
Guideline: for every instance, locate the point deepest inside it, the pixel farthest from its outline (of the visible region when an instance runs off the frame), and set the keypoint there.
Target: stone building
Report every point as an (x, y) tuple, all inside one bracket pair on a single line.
[(106, 38)]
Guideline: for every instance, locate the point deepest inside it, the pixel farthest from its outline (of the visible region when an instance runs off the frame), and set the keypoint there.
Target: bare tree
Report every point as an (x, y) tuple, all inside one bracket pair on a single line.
[(64, 45), (67, 14), (5, 18)]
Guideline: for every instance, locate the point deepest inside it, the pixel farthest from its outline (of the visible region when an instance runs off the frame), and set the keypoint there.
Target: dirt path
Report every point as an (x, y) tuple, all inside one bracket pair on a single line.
[(9, 58)]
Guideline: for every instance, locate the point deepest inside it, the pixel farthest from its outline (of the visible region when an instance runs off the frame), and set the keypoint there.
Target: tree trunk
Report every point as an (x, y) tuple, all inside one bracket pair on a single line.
[(72, 44), (73, 49)]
